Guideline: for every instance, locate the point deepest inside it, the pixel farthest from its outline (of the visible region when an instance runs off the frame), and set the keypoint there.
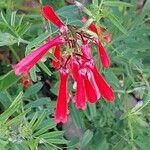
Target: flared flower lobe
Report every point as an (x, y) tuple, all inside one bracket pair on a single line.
[(61, 110)]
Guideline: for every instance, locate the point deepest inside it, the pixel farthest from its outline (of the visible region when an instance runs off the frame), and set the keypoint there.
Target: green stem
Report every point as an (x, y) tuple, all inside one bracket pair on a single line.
[(24, 41), (131, 130), (92, 109), (14, 52), (87, 115), (100, 5), (122, 136), (51, 144)]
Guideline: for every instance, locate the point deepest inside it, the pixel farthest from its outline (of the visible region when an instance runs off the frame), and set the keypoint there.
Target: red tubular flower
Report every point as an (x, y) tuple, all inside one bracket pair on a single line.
[(49, 13), (105, 90), (62, 106), (30, 60), (105, 60), (90, 91), (93, 82), (56, 63), (80, 95), (86, 50)]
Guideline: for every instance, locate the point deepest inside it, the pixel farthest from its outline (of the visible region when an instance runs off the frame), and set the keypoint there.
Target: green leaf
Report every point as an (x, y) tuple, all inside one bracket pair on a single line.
[(142, 142), (47, 127), (33, 73), (46, 122), (146, 8), (68, 11), (112, 78), (5, 99), (44, 68), (101, 142), (22, 147), (86, 138), (54, 89), (23, 28), (52, 135), (36, 42), (13, 107), (95, 2), (57, 141), (115, 21), (7, 24), (116, 3), (38, 122), (73, 142), (7, 39), (38, 103), (54, 3), (8, 80), (34, 89), (141, 121), (92, 109), (18, 119), (75, 115), (13, 18), (33, 119), (50, 55)]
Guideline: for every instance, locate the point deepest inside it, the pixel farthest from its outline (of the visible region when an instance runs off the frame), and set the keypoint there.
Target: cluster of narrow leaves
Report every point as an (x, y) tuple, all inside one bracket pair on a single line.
[(25, 129)]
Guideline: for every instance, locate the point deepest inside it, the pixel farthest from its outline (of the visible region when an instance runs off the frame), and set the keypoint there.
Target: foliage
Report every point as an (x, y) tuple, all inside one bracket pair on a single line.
[(26, 119)]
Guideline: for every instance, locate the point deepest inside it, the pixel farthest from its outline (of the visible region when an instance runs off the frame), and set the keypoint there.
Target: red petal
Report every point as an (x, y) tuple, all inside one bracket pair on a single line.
[(80, 97), (62, 106), (74, 68), (105, 90), (56, 63), (49, 13), (93, 28), (86, 50), (103, 55), (93, 82), (90, 91)]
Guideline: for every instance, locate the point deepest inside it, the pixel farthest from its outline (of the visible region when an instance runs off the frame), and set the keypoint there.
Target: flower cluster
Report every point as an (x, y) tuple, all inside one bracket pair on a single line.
[(75, 60)]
